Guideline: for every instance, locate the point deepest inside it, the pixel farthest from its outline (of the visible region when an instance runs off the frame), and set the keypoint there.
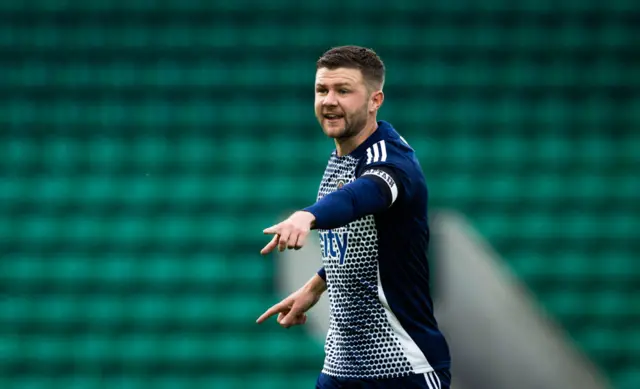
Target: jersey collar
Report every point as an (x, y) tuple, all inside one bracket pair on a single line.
[(383, 128)]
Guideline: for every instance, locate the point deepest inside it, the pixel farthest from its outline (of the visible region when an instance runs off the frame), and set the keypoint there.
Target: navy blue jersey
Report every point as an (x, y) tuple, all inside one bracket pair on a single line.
[(382, 323)]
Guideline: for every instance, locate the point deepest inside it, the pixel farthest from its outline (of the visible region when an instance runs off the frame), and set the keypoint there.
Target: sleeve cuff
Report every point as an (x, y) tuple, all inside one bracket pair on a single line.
[(323, 274)]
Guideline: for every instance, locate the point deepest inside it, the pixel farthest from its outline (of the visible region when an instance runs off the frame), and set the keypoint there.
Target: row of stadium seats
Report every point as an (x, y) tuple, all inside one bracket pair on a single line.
[(551, 154), (157, 84), (129, 293), (406, 7), (170, 229), (201, 112), (490, 45)]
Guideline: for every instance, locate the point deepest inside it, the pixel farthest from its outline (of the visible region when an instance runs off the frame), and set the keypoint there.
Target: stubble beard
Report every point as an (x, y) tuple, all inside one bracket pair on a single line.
[(353, 124)]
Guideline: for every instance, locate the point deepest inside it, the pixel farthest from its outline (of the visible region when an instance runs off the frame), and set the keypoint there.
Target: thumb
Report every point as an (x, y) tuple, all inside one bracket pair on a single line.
[(296, 310)]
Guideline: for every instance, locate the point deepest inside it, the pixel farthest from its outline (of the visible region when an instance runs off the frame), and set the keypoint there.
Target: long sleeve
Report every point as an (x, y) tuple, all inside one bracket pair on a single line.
[(371, 193)]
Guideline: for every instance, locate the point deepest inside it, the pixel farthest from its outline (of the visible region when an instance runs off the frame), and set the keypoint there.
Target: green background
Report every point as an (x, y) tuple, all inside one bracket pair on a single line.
[(144, 147)]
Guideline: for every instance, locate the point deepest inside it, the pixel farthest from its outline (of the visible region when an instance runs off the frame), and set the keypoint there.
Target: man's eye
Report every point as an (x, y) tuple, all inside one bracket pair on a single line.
[(343, 91)]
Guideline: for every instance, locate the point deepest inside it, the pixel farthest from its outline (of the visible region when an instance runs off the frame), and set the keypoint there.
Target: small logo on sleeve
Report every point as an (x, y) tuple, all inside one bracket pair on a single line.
[(340, 184)]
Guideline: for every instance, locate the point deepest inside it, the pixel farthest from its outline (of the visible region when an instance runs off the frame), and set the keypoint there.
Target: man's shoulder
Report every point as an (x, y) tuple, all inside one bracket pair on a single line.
[(390, 150), (392, 158)]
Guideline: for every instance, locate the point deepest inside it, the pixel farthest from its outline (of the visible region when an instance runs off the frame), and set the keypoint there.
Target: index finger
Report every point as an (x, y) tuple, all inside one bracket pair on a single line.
[(271, 245), (272, 311)]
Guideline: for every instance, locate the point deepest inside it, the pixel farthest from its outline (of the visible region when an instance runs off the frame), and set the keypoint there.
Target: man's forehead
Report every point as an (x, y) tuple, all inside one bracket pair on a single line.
[(326, 76)]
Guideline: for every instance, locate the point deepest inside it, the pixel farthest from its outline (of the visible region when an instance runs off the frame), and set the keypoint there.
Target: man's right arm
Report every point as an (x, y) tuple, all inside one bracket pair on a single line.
[(291, 310), (318, 283)]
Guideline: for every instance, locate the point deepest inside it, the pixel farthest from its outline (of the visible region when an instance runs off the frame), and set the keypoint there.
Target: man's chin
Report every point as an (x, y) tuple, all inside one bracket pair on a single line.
[(334, 132)]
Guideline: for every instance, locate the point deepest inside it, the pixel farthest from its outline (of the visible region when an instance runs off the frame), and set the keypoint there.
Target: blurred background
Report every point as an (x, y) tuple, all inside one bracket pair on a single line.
[(144, 145)]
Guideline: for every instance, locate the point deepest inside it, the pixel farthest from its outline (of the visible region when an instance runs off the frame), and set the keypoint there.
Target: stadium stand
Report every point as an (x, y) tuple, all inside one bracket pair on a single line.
[(144, 147)]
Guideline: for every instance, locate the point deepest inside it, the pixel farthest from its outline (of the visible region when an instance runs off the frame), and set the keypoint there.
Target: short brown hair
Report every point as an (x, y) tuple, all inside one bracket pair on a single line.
[(355, 57)]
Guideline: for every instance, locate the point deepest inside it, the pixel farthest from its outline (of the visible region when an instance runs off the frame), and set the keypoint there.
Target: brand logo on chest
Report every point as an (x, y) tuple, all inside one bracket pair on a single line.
[(335, 244)]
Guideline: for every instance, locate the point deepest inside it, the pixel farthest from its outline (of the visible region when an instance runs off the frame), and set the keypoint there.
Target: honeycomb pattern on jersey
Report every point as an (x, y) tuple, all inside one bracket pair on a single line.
[(360, 341)]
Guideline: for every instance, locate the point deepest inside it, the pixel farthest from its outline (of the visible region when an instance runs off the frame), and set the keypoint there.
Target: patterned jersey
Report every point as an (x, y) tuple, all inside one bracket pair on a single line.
[(381, 313)]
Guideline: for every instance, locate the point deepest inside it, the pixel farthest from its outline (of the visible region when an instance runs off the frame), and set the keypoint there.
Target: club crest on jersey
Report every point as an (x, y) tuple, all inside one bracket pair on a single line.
[(335, 244)]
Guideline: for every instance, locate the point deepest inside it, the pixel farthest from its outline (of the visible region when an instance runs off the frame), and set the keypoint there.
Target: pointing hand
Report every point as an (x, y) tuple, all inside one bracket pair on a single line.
[(291, 233)]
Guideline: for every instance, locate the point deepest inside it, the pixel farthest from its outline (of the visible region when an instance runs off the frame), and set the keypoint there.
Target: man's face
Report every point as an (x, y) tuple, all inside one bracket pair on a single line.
[(342, 102)]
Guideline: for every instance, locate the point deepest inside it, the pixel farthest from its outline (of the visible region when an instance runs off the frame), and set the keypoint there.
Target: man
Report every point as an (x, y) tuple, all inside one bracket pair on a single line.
[(371, 215)]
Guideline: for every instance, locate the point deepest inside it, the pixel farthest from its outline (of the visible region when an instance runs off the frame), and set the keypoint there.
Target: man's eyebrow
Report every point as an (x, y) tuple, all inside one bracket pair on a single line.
[(335, 85)]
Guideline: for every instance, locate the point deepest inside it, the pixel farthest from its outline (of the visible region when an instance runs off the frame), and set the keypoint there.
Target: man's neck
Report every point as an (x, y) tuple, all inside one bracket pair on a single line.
[(346, 146)]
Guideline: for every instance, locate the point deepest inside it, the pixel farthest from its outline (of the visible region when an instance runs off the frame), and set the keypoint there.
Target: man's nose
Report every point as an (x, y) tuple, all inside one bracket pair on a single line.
[(330, 99)]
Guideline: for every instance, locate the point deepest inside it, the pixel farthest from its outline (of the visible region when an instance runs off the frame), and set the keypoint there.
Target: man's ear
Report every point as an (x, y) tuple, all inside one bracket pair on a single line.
[(377, 98)]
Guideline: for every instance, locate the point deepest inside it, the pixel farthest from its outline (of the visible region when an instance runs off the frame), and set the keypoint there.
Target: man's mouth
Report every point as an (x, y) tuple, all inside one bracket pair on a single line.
[(332, 116)]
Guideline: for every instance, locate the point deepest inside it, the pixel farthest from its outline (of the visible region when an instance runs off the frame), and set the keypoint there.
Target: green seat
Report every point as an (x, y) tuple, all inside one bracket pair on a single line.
[(627, 379)]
